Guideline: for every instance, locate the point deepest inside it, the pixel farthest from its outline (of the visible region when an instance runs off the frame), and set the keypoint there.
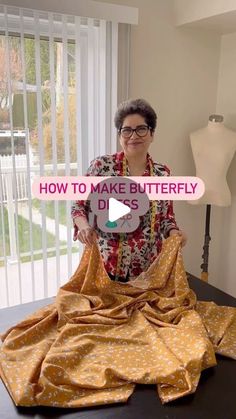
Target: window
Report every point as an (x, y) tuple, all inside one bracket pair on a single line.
[(58, 95)]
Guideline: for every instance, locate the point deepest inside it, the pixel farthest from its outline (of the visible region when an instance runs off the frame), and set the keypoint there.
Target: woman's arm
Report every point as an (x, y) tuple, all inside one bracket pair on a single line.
[(168, 225), (80, 209), (168, 221)]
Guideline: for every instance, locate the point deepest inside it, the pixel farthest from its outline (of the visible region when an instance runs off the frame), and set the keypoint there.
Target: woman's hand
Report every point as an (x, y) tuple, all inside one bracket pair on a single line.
[(180, 233), (87, 236)]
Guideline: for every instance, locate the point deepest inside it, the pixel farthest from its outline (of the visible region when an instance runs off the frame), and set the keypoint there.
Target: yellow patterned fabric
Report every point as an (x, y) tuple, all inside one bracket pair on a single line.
[(101, 337)]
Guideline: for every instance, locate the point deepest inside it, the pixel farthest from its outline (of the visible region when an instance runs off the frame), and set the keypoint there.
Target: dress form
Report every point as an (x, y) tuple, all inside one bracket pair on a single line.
[(213, 149)]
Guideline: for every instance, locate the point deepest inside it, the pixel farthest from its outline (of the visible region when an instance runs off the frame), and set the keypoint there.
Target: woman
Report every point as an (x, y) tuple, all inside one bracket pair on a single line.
[(125, 256)]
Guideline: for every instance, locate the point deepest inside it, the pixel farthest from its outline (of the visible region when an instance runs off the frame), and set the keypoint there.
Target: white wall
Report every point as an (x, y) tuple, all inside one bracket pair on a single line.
[(176, 70), (193, 10), (226, 105)]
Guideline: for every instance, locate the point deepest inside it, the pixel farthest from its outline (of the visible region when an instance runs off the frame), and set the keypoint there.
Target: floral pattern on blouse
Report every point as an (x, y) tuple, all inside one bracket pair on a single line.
[(138, 252)]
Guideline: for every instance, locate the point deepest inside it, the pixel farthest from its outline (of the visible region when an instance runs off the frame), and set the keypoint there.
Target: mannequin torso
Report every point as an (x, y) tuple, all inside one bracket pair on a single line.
[(213, 149)]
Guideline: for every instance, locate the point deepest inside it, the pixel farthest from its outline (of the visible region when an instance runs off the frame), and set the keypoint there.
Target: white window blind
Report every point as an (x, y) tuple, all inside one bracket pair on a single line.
[(58, 96)]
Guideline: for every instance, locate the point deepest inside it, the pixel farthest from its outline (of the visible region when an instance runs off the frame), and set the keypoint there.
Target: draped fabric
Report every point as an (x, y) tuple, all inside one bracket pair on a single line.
[(101, 337)]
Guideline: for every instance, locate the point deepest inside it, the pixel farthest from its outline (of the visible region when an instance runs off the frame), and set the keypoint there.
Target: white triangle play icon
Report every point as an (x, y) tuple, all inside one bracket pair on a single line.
[(117, 209)]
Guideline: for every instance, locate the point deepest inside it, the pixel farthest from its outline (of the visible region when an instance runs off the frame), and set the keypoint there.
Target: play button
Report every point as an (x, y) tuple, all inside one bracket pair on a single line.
[(117, 209), (122, 213)]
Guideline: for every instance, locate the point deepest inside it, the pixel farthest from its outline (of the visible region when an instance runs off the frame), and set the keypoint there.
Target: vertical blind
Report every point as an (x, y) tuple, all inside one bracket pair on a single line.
[(58, 96)]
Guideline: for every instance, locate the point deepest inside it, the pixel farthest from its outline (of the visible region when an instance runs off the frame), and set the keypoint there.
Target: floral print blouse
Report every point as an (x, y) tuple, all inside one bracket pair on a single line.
[(138, 252)]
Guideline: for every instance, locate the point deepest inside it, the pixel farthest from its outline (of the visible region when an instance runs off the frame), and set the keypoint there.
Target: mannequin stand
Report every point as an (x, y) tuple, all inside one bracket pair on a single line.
[(205, 256)]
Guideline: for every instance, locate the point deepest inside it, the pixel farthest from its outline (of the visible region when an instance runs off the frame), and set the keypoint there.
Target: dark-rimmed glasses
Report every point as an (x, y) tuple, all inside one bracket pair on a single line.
[(141, 131)]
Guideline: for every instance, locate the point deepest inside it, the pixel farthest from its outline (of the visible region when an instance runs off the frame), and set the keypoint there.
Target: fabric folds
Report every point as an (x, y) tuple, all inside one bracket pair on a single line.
[(101, 337)]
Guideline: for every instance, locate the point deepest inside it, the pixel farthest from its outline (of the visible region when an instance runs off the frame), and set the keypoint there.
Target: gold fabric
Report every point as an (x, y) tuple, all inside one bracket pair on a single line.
[(101, 337)]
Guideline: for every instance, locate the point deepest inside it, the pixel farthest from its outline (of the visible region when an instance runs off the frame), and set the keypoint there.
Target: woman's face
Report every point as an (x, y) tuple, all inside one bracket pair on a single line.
[(135, 145)]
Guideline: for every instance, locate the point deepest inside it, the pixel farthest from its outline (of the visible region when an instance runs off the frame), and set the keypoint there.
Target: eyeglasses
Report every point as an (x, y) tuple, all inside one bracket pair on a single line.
[(141, 131)]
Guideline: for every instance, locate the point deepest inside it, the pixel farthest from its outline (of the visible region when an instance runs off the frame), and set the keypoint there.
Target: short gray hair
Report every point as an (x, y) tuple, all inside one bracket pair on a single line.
[(135, 106)]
